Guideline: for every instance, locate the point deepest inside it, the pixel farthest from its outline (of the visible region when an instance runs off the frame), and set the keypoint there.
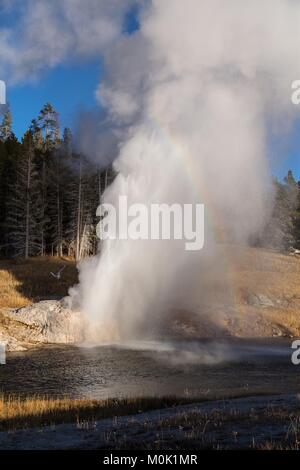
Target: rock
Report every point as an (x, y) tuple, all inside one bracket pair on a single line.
[(10, 343), (183, 329), (277, 332), (259, 300), (49, 321)]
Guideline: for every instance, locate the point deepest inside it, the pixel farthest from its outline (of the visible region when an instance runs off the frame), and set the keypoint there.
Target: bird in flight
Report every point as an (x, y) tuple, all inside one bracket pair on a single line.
[(58, 274)]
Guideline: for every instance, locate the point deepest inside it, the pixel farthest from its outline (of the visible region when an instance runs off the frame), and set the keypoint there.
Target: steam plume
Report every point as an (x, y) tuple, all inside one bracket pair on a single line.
[(200, 83), (196, 89)]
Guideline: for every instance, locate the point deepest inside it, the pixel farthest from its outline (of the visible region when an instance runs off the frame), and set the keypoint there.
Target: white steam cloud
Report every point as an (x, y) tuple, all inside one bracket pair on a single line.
[(196, 89), (42, 34), (200, 82)]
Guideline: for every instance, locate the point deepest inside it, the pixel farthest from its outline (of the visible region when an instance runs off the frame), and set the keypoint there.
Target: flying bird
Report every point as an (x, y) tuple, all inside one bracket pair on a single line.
[(58, 274)]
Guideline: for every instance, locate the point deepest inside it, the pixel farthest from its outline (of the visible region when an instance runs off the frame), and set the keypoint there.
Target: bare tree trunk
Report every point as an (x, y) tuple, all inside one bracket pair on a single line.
[(27, 222), (106, 178), (27, 211), (44, 202), (82, 243), (59, 215), (78, 234)]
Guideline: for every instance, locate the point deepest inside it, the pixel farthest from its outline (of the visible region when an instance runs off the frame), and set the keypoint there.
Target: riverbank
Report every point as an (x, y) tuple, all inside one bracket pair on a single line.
[(264, 299), (23, 282), (18, 412), (264, 422), (207, 369)]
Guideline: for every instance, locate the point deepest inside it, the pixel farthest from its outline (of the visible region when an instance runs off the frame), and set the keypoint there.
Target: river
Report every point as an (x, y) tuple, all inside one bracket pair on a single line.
[(201, 368)]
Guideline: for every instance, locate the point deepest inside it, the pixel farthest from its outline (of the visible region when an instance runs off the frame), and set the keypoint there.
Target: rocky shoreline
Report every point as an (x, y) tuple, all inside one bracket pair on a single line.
[(54, 322), (46, 322), (217, 424)]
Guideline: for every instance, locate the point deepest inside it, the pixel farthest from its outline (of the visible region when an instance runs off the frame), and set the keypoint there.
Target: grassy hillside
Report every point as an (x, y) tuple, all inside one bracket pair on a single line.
[(167, 423), (252, 293), (16, 412), (23, 282), (265, 290)]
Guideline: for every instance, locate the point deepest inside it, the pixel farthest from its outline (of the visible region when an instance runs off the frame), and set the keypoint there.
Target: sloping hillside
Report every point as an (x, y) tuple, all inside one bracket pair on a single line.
[(267, 291), (23, 282), (257, 294), (264, 297)]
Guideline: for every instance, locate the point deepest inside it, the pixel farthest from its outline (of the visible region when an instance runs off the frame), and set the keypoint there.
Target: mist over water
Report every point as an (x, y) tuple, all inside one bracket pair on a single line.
[(198, 85), (142, 368)]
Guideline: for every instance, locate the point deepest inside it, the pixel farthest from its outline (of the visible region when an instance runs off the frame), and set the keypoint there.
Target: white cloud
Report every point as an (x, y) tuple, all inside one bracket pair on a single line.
[(201, 82), (47, 33)]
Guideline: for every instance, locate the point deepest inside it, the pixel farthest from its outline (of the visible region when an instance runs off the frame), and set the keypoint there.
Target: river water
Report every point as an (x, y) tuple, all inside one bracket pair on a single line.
[(202, 368)]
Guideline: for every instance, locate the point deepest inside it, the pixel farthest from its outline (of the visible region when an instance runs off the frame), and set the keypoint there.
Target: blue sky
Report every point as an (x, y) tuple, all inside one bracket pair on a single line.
[(284, 152), (71, 87)]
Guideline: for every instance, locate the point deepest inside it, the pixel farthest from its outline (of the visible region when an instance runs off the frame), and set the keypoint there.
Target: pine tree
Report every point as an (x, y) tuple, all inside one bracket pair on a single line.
[(48, 194), (6, 125), (296, 221), (47, 134), (291, 189), (48, 122), (279, 232), (9, 154), (67, 143), (55, 202), (82, 200), (37, 135), (4, 159), (25, 217)]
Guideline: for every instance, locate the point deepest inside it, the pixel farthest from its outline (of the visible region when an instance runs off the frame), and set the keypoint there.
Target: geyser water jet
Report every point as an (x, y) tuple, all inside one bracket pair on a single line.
[(196, 88)]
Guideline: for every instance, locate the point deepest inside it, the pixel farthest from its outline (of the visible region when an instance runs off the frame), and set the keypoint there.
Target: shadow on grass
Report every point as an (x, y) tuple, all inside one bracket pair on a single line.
[(18, 413), (26, 281)]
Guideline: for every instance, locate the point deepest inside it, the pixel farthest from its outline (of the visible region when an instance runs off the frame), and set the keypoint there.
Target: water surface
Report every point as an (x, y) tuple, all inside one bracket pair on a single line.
[(210, 368)]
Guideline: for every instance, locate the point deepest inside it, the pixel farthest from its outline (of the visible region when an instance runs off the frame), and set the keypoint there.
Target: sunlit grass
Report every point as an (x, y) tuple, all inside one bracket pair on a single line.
[(28, 412), (275, 275), (25, 281)]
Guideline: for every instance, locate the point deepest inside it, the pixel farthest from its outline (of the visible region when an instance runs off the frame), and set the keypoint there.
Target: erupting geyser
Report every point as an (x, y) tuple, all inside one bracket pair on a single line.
[(196, 88)]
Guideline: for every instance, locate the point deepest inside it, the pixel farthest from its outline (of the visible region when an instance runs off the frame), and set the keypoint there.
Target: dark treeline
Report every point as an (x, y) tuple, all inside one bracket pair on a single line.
[(282, 230), (49, 194)]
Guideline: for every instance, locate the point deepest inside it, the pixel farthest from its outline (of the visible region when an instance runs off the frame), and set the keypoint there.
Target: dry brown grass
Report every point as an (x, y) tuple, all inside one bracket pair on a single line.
[(25, 281), (28, 412), (264, 429), (230, 295), (259, 428), (250, 271), (272, 274), (266, 272)]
